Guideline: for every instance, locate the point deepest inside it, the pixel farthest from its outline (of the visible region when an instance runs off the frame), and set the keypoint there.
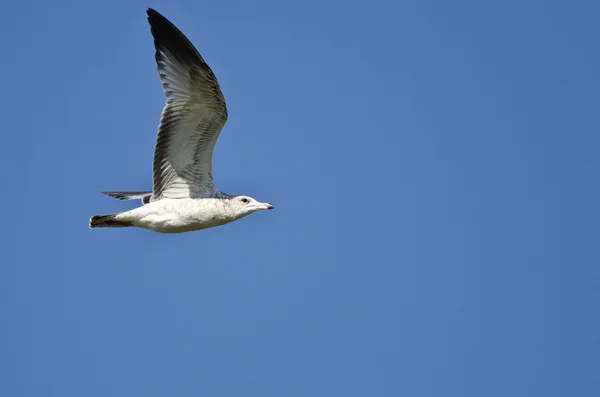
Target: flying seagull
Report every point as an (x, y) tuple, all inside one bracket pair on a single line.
[(184, 196)]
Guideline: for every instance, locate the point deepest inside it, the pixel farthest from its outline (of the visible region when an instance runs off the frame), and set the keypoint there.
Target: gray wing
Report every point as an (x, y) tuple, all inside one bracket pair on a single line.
[(144, 196), (192, 119)]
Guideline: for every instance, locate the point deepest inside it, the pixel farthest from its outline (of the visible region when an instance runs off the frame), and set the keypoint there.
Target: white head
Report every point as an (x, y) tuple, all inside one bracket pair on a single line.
[(245, 205)]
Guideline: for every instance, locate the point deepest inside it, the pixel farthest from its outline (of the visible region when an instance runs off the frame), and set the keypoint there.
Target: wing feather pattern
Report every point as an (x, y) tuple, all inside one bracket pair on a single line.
[(192, 119)]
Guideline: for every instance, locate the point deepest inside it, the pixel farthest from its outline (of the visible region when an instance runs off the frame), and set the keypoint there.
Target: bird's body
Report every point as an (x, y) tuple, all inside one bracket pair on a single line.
[(175, 215), (184, 197)]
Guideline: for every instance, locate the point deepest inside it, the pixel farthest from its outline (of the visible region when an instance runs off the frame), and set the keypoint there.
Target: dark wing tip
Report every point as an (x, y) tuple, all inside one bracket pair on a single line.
[(170, 40), (117, 195), (156, 18)]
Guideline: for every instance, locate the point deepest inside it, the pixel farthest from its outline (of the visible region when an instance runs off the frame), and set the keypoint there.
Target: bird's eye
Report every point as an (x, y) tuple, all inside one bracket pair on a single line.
[(245, 200)]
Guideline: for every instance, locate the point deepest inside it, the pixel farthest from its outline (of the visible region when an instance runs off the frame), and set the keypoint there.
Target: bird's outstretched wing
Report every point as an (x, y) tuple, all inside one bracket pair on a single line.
[(192, 119)]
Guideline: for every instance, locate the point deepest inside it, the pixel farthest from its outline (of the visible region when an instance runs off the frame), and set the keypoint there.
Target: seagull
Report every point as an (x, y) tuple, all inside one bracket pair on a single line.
[(184, 197)]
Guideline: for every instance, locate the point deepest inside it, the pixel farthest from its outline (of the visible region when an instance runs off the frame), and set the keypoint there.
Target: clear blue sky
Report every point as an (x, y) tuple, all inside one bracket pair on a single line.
[(434, 168)]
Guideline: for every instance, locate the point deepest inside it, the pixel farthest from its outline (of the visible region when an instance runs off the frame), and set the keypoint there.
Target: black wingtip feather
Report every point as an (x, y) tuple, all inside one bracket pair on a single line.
[(117, 195), (170, 40)]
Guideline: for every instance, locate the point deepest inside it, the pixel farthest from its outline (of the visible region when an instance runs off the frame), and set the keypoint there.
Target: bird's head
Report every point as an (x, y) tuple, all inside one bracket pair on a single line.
[(245, 205)]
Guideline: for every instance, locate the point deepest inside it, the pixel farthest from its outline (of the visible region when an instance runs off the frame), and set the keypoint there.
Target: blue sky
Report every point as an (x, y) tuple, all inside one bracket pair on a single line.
[(434, 171)]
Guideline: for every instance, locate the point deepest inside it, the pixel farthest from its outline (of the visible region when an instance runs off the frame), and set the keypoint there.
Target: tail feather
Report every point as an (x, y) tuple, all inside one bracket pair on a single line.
[(144, 196), (107, 221)]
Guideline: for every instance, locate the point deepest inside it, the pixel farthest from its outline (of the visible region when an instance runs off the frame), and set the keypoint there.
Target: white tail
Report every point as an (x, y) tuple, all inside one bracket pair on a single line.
[(107, 221)]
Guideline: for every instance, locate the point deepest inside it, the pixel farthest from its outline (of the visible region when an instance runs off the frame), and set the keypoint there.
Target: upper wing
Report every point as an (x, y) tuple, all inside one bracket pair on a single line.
[(192, 118)]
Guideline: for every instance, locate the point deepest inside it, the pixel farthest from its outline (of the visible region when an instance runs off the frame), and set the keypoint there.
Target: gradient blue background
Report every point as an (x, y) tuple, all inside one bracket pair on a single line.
[(434, 167)]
